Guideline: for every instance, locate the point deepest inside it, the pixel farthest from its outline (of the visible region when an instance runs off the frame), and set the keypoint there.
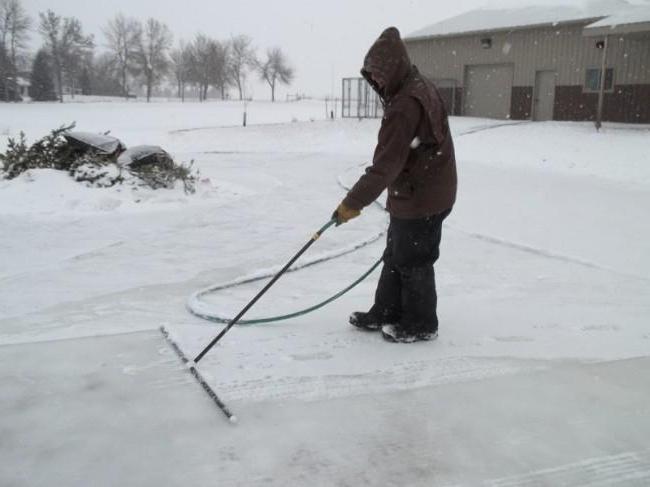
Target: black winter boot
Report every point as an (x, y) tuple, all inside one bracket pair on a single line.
[(396, 334), (369, 321)]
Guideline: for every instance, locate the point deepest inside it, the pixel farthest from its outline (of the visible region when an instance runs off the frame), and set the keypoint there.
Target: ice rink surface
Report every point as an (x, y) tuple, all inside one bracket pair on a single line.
[(539, 377)]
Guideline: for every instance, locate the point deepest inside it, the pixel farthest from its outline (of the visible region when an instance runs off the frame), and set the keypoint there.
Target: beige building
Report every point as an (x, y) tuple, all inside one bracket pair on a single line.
[(541, 63)]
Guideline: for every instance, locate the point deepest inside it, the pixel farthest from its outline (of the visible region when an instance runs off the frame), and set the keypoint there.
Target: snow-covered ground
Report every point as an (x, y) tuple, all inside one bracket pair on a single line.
[(540, 375)]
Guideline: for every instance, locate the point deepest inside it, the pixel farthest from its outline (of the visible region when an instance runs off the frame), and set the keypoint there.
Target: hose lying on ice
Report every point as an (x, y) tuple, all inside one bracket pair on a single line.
[(199, 308)]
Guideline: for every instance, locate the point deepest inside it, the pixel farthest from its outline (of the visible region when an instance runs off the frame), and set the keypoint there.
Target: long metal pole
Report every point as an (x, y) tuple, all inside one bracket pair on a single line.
[(601, 92), (266, 288)]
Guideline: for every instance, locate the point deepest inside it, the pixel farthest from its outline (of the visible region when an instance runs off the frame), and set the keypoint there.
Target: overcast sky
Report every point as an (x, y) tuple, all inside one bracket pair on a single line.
[(325, 40)]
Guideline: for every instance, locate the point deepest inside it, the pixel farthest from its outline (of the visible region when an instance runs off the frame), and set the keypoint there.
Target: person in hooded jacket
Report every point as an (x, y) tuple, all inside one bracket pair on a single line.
[(414, 159)]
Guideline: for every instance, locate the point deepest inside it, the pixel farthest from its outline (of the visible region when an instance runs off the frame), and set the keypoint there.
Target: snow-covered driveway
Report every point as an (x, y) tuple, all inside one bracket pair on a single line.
[(540, 374)]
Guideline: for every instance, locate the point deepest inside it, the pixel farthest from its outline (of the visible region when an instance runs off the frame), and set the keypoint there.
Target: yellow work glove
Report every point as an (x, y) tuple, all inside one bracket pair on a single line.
[(344, 213)]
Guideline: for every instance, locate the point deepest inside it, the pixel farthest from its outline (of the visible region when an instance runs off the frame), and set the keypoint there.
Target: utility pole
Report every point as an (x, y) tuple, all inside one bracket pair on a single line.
[(601, 92)]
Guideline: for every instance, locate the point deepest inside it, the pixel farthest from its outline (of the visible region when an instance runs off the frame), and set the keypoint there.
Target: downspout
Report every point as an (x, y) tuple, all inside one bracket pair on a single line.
[(601, 92)]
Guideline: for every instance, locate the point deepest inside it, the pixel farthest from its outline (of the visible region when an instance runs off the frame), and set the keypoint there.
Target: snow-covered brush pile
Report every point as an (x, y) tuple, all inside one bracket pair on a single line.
[(50, 152), (96, 160), (156, 169)]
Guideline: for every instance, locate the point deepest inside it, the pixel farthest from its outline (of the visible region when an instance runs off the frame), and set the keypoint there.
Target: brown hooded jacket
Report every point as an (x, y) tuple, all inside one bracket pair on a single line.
[(414, 157)]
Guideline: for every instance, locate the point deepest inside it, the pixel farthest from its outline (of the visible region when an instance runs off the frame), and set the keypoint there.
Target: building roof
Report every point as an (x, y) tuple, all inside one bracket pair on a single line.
[(630, 20), (488, 20)]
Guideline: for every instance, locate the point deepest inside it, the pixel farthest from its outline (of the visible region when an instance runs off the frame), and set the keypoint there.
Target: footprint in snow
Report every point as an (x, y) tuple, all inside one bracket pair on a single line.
[(311, 356), (514, 339), (601, 328)]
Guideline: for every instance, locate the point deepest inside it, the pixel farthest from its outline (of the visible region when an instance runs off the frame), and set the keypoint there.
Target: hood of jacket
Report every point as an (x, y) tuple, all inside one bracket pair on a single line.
[(388, 60)]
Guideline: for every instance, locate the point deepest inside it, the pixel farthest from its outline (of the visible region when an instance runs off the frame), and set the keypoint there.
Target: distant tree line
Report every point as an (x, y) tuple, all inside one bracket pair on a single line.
[(136, 57), (15, 25)]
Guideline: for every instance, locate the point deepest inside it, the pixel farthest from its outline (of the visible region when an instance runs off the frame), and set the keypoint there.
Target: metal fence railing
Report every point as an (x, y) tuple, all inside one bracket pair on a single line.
[(359, 100)]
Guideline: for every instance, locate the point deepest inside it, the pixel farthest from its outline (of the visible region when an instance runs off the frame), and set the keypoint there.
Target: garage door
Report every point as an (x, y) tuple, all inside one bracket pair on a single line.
[(488, 89)]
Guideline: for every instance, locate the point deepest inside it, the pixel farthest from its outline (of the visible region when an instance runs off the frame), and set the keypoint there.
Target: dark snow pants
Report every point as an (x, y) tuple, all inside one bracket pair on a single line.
[(406, 292)]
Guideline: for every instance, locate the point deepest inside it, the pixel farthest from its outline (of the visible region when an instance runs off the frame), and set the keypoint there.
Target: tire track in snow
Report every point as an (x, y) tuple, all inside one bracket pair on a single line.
[(396, 377), (628, 468)]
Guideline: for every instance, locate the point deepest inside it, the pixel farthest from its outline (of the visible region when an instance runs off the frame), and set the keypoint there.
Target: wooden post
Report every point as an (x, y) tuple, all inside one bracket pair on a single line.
[(245, 110), (343, 98), (601, 92)]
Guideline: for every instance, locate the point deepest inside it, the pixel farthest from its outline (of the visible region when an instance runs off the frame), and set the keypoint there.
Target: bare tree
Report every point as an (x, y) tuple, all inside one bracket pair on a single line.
[(209, 65), (4, 73), (14, 34), (78, 65), (181, 58), (123, 38), (275, 69), (242, 59), (219, 77), (5, 69), (105, 77), (199, 53), (155, 41), (86, 73), (66, 44)]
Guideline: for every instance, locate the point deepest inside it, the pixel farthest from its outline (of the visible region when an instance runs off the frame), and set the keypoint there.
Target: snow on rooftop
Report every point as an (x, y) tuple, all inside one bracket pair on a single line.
[(498, 19), (633, 15)]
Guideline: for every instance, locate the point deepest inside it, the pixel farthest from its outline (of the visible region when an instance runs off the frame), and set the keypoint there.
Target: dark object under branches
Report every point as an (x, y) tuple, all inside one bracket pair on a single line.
[(156, 169), (94, 164)]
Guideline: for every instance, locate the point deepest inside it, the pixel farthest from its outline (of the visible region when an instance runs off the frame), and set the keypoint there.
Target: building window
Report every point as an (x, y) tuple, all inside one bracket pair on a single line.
[(486, 43), (592, 79)]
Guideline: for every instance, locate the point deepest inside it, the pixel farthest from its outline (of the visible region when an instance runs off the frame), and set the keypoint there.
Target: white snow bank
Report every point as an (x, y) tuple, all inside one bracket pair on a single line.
[(137, 123), (48, 192), (616, 153)]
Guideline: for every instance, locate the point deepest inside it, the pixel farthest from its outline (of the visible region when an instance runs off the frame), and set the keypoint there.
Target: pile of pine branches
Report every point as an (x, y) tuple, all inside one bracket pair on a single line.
[(93, 167), (50, 152)]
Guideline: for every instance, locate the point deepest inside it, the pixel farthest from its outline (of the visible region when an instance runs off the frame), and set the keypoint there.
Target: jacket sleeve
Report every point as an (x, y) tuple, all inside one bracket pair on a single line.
[(398, 127)]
